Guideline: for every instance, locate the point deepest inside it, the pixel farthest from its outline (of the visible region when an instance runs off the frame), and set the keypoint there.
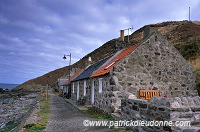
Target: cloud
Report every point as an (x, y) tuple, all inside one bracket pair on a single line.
[(35, 34)]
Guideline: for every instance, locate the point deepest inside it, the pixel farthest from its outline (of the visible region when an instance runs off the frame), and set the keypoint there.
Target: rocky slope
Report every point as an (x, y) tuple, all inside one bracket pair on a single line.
[(178, 33)]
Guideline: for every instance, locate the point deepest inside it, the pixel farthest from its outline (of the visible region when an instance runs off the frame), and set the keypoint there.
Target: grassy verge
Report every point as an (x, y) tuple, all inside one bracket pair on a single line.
[(92, 113), (10, 127), (43, 118), (189, 50)]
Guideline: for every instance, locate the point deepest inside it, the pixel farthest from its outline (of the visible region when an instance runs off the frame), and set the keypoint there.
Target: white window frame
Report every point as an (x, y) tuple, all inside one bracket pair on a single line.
[(77, 90), (100, 85), (84, 89)]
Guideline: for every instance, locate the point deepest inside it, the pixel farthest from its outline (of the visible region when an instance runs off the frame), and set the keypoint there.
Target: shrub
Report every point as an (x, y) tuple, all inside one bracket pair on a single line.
[(29, 125), (189, 50)]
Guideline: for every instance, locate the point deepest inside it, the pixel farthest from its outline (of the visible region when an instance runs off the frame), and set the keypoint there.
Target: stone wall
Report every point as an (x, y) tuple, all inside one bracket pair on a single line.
[(162, 109), (107, 100), (155, 65), (15, 109), (87, 97)]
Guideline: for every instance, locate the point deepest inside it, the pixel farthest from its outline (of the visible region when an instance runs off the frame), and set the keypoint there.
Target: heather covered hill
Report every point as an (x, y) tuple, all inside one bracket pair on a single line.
[(185, 35), (175, 32)]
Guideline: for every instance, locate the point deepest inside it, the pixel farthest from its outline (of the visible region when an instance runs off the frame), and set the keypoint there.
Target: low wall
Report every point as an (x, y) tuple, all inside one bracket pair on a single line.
[(162, 109)]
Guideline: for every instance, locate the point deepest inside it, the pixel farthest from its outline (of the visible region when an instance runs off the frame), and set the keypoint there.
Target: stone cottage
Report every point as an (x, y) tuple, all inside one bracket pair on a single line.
[(67, 87), (59, 85), (82, 84), (153, 64)]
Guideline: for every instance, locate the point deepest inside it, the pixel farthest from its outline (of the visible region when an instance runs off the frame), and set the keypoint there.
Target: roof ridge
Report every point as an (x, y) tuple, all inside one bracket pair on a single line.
[(106, 68), (90, 70)]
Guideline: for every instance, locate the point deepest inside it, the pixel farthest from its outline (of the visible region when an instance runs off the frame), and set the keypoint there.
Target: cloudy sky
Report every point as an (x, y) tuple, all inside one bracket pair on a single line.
[(35, 34)]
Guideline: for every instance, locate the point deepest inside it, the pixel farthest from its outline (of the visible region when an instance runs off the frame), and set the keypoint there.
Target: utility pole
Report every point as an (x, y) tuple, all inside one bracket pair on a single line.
[(47, 92), (70, 59), (189, 13), (47, 87)]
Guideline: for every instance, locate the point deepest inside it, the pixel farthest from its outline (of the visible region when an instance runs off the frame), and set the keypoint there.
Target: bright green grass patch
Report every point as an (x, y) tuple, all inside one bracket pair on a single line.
[(98, 115), (29, 125), (43, 115), (10, 127)]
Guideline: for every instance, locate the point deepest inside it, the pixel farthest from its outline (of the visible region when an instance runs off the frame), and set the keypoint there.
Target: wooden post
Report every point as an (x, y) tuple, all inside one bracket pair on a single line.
[(47, 92)]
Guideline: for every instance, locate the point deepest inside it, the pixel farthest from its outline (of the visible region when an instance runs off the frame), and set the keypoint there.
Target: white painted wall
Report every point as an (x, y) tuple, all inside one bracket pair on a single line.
[(92, 92), (84, 89), (77, 90)]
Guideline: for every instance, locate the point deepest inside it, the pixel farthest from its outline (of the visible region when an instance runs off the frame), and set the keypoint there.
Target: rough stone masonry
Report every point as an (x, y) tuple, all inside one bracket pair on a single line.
[(163, 109), (155, 65)]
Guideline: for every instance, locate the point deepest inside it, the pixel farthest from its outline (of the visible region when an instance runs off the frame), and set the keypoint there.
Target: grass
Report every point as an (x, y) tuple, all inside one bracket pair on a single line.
[(43, 118), (92, 113), (10, 127), (29, 125), (60, 95), (189, 50)]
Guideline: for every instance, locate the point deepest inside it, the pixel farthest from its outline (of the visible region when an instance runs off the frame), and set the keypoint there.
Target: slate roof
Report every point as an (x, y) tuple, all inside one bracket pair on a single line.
[(89, 71), (72, 77), (62, 81), (106, 69)]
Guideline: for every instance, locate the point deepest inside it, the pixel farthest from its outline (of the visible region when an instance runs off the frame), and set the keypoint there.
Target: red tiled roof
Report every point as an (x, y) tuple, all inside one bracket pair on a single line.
[(76, 74), (114, 61)]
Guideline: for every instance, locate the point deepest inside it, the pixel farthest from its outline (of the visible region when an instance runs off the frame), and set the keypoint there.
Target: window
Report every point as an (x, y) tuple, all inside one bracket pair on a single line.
[(100, 85), (84, 92), (111, 64)]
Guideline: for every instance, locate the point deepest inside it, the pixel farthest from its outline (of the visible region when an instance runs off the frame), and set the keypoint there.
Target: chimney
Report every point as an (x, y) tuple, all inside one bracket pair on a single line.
[(148, 31), (122, 35), (89, 59), (88, 62)]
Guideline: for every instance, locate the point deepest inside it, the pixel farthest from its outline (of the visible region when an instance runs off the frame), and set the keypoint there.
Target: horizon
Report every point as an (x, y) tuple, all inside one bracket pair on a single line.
[(10, 83), (8, 86)]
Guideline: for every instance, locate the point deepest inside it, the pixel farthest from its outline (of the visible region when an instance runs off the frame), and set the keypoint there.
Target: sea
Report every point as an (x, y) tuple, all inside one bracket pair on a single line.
[(8, 86)]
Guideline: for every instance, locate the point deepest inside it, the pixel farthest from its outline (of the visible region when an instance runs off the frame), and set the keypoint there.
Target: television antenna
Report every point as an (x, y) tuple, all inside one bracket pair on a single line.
[(128, 31)]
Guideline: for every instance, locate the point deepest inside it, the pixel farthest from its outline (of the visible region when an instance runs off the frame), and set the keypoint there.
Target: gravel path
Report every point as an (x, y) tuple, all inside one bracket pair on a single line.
[(65, 117)]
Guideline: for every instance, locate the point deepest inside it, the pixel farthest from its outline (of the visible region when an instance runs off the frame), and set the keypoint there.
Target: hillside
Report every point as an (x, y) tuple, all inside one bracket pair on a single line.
[(185, 35)]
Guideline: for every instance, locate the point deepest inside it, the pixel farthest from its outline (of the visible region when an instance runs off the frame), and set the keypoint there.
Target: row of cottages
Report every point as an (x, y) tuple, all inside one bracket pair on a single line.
[(60, 84), (153, 64), (67, 91)]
